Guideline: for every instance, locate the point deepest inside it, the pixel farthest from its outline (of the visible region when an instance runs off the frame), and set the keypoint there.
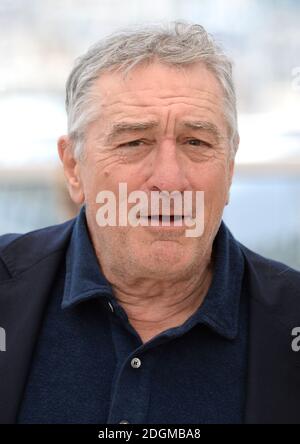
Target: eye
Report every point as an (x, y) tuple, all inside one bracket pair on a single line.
[(197, 142), (132, 143)]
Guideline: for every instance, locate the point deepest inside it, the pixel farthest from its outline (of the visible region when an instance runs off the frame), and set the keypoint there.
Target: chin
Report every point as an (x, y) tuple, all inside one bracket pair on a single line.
[(166, 260), (165, 271)]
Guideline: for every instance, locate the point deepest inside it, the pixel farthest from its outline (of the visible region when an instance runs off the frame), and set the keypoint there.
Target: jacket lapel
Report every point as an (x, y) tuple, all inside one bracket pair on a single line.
[(23, 300), (273, 383)]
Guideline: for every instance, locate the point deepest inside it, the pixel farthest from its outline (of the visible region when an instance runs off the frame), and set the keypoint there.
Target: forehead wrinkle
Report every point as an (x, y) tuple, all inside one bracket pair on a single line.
[(179, 94), (158, 89), (128, 115), (140, 100)]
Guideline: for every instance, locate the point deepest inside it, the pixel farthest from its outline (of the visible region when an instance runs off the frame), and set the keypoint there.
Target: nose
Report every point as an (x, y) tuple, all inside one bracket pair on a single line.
[(167, 172)]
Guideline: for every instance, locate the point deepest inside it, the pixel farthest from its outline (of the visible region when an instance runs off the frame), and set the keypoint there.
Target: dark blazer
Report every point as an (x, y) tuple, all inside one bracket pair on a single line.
[(29, 263)]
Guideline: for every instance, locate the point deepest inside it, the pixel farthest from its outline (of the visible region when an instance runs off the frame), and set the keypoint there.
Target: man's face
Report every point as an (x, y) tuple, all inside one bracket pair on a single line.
[(146, 137)]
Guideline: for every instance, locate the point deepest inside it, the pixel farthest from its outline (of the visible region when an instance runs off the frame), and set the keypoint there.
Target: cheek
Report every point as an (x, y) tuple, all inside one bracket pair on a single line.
[(97, 175), (96, 180), (214, 182), (210, 179)]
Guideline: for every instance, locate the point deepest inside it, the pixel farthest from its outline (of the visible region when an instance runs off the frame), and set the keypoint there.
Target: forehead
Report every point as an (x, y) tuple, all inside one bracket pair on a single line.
[(156, 88)]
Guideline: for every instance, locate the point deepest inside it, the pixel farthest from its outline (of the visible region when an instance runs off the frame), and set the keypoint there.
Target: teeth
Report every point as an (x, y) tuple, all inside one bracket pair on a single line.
[(166, 217)]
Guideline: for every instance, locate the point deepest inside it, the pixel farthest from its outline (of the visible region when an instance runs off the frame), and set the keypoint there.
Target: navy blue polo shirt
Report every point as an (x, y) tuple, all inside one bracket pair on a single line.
[(90, 365)]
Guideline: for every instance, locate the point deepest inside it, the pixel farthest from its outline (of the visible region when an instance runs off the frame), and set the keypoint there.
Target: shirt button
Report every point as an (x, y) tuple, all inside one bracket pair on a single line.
[(111, 307), (124, 421), (136, 363)]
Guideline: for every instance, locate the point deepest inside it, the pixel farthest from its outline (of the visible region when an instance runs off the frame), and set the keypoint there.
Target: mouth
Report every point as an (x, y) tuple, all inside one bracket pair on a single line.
[(166, 222), (166, 218)]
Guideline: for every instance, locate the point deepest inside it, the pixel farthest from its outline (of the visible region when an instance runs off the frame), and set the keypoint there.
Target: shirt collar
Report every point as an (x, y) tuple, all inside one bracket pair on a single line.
[(84, 279), (220, 308)]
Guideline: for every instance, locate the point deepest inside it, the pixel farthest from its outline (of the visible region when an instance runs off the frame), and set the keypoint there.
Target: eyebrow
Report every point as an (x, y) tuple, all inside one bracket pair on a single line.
[(205, 126), (120, 128)]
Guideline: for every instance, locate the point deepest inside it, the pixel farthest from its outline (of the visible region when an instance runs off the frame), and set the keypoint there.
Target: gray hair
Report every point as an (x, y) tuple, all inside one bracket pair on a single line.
[(176, 44)]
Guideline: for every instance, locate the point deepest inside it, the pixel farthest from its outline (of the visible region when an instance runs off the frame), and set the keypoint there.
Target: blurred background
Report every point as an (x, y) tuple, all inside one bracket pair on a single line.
[(39, 41)]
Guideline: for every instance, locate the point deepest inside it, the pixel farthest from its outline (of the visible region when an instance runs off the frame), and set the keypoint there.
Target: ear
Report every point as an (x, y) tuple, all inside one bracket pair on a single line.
[(231, 165), (71, 169), (230, 175)]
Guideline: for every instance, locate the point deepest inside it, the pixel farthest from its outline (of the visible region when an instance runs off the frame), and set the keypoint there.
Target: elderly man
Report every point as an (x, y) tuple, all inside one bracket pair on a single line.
[(140, 323)]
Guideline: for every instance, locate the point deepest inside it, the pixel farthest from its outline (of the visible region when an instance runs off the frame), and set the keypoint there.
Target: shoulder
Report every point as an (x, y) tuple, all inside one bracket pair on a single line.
[(20, 251), (273, 284), (269, 268)]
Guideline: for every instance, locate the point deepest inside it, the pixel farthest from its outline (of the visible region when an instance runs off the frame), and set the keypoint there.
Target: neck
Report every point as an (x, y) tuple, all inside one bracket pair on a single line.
[(153, 307), (155, 304)]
